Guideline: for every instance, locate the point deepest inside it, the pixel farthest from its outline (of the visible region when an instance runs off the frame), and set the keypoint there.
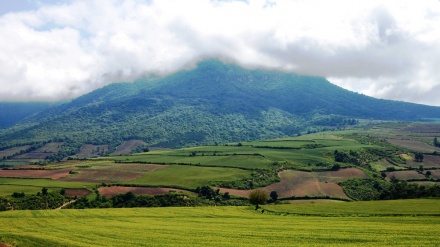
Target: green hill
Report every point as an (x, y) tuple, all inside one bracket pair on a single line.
[(211, 103)]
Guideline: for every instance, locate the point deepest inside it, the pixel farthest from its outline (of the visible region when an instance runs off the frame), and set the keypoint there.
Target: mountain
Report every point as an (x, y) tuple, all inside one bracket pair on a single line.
[(12, 113), (212, 103)]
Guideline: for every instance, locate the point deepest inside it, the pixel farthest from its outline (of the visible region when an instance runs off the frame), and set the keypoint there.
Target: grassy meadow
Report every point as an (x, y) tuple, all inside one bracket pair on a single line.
[(225, 226), (190, 176)]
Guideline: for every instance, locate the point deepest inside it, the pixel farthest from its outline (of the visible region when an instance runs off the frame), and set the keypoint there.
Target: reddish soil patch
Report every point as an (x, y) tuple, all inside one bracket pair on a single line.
[(20, 173), (128, 147), (297, 183), (77, 192), (4, 245), (414, 145), (116, 190), (428, 161), (405, 175), (112, 174), (89, 150)]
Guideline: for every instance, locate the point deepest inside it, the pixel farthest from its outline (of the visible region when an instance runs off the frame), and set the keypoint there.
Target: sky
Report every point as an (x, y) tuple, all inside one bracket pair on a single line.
[(61, 49)]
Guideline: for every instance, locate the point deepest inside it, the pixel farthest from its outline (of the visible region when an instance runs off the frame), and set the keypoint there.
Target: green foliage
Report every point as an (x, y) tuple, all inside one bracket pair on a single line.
[(418, 157), (20, 201), (207, 196), (258, 197), (436, 142), (364, 189), (273, 195), (376, 189)]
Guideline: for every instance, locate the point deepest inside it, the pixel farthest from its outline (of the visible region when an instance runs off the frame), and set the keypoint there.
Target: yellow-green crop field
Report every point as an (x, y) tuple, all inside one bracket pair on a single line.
[(218, 226)]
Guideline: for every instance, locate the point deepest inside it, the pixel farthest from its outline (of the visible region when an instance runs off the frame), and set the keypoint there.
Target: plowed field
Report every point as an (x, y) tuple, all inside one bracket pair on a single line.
[(297, 183), (116, 190), (53, 174)]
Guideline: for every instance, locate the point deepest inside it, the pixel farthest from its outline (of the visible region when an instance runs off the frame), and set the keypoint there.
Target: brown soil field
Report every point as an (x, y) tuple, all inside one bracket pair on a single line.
[(423, 128), (113, 173), (428, 161), (89, 150), (77, 192), (435, 174), (116, 190), (405, 175), (128, 146), (298, 183), (12, 151), (20, 173), (414, 145)]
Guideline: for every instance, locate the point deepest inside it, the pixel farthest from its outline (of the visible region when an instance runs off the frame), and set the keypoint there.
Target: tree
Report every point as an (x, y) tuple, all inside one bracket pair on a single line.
[(274, 196), (257, 197), (419, 157), (44, 191)]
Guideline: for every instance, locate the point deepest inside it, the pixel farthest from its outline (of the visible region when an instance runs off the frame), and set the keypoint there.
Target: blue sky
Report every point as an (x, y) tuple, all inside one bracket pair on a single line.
[(53, 50)]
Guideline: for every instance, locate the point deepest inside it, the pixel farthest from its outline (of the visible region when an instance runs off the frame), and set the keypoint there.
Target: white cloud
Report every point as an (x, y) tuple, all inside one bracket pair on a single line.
[(385, 49)]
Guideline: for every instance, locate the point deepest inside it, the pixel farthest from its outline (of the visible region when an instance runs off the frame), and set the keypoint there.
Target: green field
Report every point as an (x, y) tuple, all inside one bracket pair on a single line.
[(382, 208), (7, 190), (39, 183), (296, 152), (217, 226), (190, 176)]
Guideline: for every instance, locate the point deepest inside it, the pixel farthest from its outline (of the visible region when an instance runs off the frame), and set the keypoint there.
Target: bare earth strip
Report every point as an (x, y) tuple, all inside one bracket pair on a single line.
[(298, 183), (116, 190), (53, 174)]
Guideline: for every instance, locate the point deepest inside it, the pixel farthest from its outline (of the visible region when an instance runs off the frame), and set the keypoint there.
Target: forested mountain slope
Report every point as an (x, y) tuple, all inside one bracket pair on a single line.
[(211, 103)]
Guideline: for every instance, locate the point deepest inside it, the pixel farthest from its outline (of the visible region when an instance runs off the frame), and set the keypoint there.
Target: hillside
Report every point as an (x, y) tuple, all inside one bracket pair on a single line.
[(211, 103)]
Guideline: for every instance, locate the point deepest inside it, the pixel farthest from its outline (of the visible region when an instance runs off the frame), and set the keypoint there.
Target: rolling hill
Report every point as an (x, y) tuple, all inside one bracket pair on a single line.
[(214, 102)]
